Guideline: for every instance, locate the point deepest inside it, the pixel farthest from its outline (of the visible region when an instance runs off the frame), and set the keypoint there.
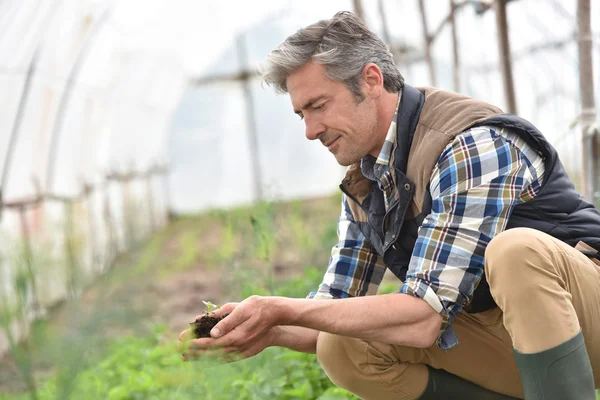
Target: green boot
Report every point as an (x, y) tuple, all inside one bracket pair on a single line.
[(444, 385), (561, 373)]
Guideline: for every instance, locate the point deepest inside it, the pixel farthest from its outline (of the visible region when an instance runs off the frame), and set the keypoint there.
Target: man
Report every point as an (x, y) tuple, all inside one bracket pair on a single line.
[(469, 207)]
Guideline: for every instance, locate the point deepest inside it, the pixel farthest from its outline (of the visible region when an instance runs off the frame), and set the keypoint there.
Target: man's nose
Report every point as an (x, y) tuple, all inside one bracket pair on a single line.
[(313, 129)]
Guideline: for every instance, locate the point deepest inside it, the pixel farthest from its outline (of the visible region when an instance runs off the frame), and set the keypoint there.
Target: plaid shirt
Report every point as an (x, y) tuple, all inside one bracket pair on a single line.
[(477, 181)]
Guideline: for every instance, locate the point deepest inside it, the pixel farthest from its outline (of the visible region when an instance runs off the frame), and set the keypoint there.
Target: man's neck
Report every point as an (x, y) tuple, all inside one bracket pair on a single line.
[(389, 102)]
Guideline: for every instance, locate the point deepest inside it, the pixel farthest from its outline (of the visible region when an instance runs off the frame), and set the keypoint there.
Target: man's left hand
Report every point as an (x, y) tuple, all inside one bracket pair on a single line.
[(249, 328)]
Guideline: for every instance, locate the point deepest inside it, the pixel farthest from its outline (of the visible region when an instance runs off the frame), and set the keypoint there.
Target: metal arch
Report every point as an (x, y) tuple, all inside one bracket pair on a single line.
[(66, 97), (17, 127), (14, 135)]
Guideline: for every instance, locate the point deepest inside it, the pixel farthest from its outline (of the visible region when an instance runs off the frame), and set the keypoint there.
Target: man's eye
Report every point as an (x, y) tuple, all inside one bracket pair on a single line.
[(301, 117), (317, 108)]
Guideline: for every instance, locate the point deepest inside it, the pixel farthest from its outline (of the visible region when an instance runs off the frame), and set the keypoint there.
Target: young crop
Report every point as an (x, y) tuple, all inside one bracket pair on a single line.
[(203, 325), (210, 307)]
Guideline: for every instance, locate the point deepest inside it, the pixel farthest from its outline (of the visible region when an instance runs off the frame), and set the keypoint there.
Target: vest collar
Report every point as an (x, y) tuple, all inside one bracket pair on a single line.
[(409, 111)]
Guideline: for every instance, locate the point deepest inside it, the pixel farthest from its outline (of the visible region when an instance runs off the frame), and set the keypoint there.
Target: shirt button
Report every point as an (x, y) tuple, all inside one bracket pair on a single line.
[(407, 187), (386, 243)]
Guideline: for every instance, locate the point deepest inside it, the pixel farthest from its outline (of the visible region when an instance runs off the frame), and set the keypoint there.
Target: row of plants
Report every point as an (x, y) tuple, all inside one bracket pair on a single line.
[(145, 362), (142, 360), (149, 366)]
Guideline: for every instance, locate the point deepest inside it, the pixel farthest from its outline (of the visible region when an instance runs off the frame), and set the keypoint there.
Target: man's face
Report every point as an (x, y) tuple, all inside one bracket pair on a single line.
[(331, 114)]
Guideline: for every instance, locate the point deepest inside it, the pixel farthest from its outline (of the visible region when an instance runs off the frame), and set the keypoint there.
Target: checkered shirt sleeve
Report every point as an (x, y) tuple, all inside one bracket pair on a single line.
[(355, 269), (478, 180)]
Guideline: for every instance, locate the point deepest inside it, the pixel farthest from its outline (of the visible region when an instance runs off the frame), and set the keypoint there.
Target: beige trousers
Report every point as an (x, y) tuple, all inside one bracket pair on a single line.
[(546, 291)]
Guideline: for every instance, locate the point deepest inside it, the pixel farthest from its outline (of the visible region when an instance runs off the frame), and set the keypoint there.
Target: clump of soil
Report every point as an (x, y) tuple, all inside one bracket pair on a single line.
[(203, 325)]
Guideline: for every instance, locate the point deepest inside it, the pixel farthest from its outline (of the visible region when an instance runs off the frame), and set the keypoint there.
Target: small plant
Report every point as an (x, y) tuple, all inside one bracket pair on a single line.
[(210, 307), (203, 325)]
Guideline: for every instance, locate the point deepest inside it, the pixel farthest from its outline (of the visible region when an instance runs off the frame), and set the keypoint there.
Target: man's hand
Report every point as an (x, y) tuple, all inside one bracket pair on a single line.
[(249, 328)]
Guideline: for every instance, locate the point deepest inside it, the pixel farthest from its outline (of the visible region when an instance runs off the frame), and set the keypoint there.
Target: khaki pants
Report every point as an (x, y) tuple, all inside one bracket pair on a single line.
[(546, 292)]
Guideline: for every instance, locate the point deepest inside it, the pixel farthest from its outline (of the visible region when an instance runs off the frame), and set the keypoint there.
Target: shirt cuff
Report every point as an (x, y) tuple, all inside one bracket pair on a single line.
[(319, 296)]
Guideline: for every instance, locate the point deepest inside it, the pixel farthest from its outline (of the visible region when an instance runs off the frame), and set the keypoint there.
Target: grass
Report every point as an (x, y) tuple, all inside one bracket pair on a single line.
[(103, 346), (111, 343), (150, 367)]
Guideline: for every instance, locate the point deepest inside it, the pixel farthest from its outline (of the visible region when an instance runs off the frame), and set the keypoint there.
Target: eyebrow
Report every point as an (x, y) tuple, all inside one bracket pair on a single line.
[(309, 103)]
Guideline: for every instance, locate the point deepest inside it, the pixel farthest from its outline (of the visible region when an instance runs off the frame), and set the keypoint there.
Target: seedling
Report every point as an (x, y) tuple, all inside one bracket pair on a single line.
[(202, 326), (210, 307)]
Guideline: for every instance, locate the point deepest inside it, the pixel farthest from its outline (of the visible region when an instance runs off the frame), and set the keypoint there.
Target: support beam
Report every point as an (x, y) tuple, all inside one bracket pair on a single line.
[(505, 59), (254, 152), (358, 10), (455, 53), (427, 40), (588, 109)]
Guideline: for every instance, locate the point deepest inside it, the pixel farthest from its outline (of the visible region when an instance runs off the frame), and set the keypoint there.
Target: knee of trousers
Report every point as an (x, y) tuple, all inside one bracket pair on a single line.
[(346, 361), (514, 258), (341, 357)]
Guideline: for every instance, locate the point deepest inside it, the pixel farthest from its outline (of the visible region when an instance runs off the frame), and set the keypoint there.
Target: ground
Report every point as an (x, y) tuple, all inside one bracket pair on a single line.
[(212, 257)]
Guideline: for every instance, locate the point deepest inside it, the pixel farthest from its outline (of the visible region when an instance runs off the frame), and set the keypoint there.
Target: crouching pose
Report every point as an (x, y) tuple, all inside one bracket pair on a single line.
[(470, 208)]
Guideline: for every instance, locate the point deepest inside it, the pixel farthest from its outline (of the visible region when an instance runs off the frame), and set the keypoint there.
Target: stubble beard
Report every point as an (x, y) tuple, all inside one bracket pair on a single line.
[(348, 157)]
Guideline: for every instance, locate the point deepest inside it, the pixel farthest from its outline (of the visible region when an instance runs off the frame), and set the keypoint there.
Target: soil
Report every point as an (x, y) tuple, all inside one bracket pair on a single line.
[(203, 325)]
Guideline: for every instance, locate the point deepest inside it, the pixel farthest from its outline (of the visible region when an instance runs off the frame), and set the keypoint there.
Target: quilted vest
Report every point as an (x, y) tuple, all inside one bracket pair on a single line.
[(428, 120)]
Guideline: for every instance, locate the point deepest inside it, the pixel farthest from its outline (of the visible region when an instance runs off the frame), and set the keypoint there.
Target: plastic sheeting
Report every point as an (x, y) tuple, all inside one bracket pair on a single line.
[(82, 146)]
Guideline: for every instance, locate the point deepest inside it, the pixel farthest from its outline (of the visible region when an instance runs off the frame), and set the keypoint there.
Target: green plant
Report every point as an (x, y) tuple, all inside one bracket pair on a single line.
[(141, 362), (210, 307)]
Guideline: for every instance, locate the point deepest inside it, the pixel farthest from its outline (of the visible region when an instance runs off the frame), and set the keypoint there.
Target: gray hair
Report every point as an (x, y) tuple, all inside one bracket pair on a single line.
[(343, 44)]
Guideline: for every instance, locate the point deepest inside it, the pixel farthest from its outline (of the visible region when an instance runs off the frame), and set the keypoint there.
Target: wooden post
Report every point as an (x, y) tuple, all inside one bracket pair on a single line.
[(384, 26), (455, 54), (358, 10), (505, 59), (251, 119), (427, 41), (586, 93)]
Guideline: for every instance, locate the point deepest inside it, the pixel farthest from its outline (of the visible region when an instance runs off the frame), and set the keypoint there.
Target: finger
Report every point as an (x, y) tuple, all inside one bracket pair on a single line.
[(226, 325), (185, 335), (255, 348), (238, 337), (225, 309), (204, 343)]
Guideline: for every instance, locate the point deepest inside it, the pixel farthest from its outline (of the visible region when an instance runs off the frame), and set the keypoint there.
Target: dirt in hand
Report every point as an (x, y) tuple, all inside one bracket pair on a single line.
[(203, 325)]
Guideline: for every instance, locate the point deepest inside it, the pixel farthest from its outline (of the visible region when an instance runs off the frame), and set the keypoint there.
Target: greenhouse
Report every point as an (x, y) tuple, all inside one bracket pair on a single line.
[(147, 168)]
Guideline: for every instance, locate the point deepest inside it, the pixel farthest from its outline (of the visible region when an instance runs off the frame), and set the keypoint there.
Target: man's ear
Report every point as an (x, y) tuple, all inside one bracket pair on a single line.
[(373, 80)]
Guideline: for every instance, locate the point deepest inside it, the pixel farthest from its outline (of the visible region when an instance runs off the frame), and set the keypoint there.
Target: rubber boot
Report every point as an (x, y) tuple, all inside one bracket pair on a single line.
[(444, 385), (561, 373)]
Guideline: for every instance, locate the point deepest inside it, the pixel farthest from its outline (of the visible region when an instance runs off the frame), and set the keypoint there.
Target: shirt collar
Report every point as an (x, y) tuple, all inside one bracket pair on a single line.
[(372, 167)]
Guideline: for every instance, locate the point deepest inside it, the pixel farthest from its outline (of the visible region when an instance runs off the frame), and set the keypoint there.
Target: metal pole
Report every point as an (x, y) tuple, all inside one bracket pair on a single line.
[(66, 97), (586, 92), (21, 109), (250, 115), (18, 120), (427, 38), (358, 10), (28, 258), (455, 53), (384, 26), (505, 60), (149, 192)]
